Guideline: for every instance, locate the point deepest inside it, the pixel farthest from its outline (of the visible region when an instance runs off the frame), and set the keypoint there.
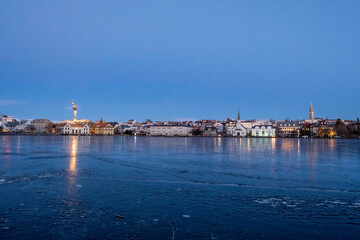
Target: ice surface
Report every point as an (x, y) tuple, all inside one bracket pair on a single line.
[(178, 188)]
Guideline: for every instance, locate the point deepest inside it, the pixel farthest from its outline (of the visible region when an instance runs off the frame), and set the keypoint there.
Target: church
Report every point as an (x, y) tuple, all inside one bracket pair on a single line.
[(311, 116), (235, 129)]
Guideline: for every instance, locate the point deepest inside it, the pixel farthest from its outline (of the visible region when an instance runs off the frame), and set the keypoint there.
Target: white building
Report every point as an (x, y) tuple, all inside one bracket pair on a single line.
[(5, 119), (235, 129), (219, 127), (170, 130), (22, 127), (75, 129), (263, 131)]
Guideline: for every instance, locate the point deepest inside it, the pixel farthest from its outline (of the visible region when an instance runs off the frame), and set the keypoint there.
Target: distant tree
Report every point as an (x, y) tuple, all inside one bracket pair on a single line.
[(49, 127), (1, 128), (340, 128), (196, 132), (117, 131), (357, 120), (128, 132)]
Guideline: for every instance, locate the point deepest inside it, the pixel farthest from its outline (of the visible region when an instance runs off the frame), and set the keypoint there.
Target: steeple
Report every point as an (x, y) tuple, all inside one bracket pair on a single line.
[(311, 113), (75, 110), (238, 116)]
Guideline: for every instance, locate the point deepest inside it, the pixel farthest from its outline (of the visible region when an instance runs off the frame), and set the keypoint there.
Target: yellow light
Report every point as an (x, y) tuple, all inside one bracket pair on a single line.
[(73, 154)]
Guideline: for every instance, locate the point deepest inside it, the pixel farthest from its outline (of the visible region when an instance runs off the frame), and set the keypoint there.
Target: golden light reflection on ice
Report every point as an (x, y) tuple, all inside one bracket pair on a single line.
[(73, 153)]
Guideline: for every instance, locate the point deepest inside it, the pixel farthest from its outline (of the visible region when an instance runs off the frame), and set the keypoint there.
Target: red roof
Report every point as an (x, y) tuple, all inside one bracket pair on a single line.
[(101, 125)]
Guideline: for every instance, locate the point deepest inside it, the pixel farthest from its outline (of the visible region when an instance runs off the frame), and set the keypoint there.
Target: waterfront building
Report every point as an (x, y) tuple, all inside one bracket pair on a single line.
[(42, 125), (210, 131), (102, 128), (288, 129), (235, 128), (22, 127), (219, 127), (263, 131), (75, 129), (322, 129), (170, 130), (59, 128)]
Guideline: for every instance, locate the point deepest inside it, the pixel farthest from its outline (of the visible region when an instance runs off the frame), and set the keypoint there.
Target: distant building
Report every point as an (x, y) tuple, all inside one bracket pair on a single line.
[(263, 131), (75, 129), (311, 116), (248, 124), (102, 128), (288, 129), (170, 130), (41, 125), (235, 128), (5, 119), (322, 129), (210, 131)]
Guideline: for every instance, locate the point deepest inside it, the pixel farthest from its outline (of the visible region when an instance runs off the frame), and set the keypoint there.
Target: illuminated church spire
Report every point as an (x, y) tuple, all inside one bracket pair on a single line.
[(311, 113), (75, 110)]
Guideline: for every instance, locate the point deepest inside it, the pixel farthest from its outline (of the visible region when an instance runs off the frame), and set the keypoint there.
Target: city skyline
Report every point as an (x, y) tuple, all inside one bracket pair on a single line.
[(233, 116), (171, 61)]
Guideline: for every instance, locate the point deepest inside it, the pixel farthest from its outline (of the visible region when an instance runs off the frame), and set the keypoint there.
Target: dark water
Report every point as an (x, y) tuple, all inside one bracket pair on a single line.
[(178, 188)]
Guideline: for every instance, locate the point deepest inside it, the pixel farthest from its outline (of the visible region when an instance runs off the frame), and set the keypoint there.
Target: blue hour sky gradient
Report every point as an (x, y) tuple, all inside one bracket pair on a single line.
[(171, 60)]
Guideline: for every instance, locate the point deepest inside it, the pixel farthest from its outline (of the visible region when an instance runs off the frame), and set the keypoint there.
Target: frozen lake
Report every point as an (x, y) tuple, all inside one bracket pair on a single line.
[(178, 188)]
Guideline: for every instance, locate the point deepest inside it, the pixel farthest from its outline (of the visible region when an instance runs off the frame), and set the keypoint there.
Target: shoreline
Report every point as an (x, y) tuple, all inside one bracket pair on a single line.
[(50, 134)]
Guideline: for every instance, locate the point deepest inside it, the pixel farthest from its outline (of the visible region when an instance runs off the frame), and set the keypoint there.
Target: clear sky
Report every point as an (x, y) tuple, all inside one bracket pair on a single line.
[(170, 60)]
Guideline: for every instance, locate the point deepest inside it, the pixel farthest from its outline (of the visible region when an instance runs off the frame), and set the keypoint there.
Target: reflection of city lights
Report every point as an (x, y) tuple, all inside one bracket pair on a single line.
[(73, 153), (273, 144), (248, 144), (219, 141), (298, 147), (287, 145), (332, 144), (18, 146)]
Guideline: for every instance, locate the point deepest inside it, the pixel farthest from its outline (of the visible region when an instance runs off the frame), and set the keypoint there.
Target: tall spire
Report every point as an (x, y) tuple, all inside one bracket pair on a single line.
[(238, 115), (311, 113), (75, 110)]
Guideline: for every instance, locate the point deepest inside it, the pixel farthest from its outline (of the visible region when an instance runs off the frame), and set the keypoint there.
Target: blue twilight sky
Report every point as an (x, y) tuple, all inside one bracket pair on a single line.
[(170, 60)]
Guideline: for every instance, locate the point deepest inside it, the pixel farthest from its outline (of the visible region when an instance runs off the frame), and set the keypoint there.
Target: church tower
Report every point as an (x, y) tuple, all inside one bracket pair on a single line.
[(311, 113)]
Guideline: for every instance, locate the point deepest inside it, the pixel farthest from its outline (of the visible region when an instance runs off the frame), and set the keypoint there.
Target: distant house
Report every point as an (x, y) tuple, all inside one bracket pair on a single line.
[(210, 131), (41, 125), (102, 128), (75, 129), (5, 119), (263, 131), (288, 129), (170, 130)]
